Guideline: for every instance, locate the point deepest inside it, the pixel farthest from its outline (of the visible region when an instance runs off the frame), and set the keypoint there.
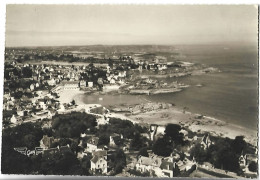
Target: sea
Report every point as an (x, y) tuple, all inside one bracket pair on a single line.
[(230, 95)]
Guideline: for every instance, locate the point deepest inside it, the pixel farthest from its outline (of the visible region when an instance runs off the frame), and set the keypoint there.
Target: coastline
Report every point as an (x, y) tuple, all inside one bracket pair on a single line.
[(174, 115)]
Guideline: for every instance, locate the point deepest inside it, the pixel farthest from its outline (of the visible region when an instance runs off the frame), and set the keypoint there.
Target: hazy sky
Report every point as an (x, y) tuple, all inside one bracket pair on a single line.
[(40, 25)]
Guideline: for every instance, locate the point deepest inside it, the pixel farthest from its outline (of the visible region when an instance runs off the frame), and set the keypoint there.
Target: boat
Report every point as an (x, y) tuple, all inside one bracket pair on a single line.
[(199, 85)]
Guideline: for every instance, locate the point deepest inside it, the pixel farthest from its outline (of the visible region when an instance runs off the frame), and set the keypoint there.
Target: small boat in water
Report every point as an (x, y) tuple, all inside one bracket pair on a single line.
[(100, 99), (199, 85)]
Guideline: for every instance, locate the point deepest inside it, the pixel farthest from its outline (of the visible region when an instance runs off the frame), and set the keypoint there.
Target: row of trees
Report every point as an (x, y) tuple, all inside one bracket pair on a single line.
[(171, 139), (223, 154)]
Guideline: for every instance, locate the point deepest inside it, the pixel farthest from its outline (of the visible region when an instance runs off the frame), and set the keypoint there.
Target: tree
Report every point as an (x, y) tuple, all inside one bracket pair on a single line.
[(239, 144), (27, 72), (252, 167), (118, 161), (73, 124), (110, 63), (199, 153), (103, 139), (137, 142), (163, 147), (143, 152), (173, 131), (73, 102), (223, 156)]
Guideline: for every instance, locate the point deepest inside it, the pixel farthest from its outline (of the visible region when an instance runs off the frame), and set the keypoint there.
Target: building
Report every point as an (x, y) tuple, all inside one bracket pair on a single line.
[(204, 141), (32, 87), (149, 164), (51, 82), (90, 84), (13, 119), (82, 83), (71, 85), (99, 162), (92, 144), (115, 139), (46, 142)]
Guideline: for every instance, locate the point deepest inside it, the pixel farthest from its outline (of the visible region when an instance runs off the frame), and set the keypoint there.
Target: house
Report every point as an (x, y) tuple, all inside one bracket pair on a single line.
[(51, 82), (90, 84), (49, 152), (153, 131), (65, 149), (92, 144), (46, 142), (122, 74), (167, 168), (42, 104), (245, 160), (32, 87), (51, 113), (112, 81), (102, 120), (22, 113), (162, 66), (13, 119), (149, 164), (71, 85), (204, 141), (82, 83), (100, 81), (115, 139), (99, 162)]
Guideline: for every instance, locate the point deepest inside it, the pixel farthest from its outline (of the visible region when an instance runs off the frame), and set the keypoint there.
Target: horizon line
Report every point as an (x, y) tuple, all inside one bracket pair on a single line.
[(177, 44)]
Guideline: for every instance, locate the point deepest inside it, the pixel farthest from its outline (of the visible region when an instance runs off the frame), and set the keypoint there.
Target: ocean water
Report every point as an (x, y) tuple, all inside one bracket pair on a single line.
[(230, 95)]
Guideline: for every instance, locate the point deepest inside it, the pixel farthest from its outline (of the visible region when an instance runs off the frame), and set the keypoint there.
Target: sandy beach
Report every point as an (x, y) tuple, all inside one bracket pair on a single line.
[(195, 124), (66, 96), (176, 116)]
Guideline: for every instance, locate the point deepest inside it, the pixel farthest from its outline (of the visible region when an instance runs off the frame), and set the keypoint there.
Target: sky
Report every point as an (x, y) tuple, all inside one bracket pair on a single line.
[(58, 25)]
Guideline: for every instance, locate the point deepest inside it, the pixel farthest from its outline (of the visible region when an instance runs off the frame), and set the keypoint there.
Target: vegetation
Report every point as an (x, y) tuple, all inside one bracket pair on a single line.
[(223, 154), (167, 145), (172, 138), (72, 125), (253, 166), (118, 161), (143, 152)]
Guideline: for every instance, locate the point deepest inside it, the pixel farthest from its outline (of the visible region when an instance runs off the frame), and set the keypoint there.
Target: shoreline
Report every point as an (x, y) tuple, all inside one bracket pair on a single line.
[(193, 121)]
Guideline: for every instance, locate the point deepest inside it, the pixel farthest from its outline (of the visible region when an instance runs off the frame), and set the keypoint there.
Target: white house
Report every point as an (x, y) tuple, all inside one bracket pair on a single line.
[(90, 84), (51, 82), (113, 138), (99, 162), (13, 119), (92, 144), (32, 87), (82, 83), (71, 85)]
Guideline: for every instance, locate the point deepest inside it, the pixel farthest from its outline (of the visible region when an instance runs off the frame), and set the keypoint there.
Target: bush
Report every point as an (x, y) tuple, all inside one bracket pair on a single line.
[(252, 167)]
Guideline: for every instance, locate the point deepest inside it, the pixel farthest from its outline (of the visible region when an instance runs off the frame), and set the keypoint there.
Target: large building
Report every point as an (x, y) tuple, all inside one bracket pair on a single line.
[(99, 162), (71, 85)]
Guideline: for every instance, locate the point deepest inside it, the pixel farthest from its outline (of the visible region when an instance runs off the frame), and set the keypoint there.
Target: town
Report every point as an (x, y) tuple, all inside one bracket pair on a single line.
[(44, 135)]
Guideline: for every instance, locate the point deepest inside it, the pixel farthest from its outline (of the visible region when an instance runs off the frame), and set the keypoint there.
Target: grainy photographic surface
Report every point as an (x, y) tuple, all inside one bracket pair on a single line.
[(131, 91)]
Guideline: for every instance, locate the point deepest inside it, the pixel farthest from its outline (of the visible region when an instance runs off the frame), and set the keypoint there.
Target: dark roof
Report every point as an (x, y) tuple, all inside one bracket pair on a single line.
[(97, 155), (251, 157), (70, 82), (47, 141), (93, 140), (100, 153), (95, 159), (50, 151), (165, 164), (64, 149)]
